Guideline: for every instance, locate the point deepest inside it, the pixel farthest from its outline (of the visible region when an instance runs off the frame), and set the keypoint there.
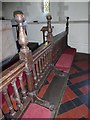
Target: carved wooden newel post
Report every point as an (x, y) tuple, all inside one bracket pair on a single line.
[(49, 35), (67, 24), (25, 54), (67, 29)]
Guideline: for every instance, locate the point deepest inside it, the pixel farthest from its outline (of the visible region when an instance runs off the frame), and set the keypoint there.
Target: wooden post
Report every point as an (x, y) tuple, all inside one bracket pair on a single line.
[(25, 54), (67, 24), (67, 30), (23, 90), (49, 35), (44, 29)]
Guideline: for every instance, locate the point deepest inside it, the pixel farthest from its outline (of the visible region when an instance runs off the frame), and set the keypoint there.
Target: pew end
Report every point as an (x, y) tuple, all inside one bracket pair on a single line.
[(21, 83)]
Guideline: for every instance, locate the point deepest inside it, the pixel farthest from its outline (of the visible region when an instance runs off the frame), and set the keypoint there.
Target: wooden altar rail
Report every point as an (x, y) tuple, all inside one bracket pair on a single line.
[(36, 65), (41, 64)]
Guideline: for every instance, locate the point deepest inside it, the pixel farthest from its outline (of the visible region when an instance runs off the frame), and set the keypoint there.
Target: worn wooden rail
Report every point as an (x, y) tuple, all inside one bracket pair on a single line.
[(35, 66)]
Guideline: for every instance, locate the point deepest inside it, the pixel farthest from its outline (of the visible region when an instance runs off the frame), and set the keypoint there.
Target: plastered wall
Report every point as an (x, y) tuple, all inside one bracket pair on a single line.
[(77, 11)]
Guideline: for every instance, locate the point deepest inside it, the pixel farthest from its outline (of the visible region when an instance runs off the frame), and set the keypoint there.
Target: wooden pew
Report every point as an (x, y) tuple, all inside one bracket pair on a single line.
[(27, 76)]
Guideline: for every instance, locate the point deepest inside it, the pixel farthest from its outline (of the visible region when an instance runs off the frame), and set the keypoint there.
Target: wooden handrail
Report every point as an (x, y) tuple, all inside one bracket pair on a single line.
[(41, 50), (11, 73)]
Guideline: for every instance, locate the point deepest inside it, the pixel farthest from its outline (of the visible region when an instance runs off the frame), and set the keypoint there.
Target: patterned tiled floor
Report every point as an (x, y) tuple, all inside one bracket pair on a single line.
[(75, 102)]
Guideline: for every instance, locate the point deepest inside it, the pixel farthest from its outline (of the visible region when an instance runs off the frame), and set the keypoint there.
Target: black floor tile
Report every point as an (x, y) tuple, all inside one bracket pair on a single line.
[(77, 102), (78, 85), (89, 96), (78, 92), (73, 87), (69, 83), (82, 118), (84, 99), (83, 83), (76, 67), (79, 73), (62, 109), (88, 100), (69, 105)]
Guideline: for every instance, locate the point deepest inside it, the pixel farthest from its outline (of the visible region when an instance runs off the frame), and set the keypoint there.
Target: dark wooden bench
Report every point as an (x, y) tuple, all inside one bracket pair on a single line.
[(27, 76)]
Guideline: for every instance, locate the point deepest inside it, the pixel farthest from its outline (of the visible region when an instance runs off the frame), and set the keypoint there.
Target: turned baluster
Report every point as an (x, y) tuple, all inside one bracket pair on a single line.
[(49, 35), (34, 72), (25, 53), (40, 65), (49, 56), (42, 60), (8, 101), (37, 68), (45, 59), (23, 90), (17, 97), (35, 76)]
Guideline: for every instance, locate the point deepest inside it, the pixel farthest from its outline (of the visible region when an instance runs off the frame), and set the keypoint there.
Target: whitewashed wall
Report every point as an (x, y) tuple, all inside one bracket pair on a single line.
[(89, 27), (77, 11), (78, 33), (32, 10), (9, 47), (78, 36), (35, 35)]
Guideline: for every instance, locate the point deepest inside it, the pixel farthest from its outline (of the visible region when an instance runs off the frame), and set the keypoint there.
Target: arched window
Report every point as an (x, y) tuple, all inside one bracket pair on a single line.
[(46, 6)]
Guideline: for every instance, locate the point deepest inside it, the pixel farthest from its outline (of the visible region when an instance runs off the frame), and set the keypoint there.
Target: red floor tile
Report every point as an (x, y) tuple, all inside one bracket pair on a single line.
[(68, 95), (79, 79), (84, 110), (89, 114), (83, 65), (50, 77), (65, 98), (44, 88), (77, 112), (84, 89), (42, 91)]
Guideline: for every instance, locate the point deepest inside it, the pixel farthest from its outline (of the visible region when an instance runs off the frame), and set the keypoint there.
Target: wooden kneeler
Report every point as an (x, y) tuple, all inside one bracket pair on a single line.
[(37, 111), (65, 61)]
